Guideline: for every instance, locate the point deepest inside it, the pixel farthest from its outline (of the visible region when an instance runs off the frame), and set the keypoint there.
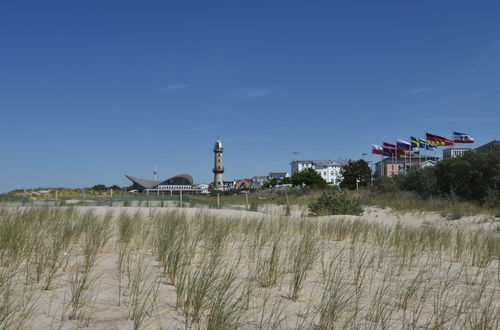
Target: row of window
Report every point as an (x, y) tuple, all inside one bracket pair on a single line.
[(173, 187)]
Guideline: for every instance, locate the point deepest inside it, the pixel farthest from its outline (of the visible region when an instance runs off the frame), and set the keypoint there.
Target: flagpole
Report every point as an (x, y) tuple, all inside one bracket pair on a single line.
[(404, 168), (411, 156), (426, 145), (396, 154), (381, 164), (393, 159), (371, 167), (406, 163), (419, 154)]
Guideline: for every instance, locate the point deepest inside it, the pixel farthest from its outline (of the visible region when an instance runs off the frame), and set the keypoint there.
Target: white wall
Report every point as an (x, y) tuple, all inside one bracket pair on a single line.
[(329, 172)]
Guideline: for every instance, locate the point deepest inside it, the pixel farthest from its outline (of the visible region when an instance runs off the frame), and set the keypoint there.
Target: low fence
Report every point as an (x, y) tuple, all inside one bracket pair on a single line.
[(123, 201)]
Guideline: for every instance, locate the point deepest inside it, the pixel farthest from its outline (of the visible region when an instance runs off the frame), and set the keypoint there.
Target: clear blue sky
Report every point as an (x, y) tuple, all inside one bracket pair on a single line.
[(93, 90)]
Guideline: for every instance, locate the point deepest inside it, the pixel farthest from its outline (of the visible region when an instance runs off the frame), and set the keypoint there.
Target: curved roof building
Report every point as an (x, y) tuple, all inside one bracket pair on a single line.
[(145, 184)]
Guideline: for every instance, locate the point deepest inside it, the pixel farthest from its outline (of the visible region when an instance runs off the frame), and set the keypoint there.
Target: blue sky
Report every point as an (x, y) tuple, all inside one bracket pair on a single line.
[(93, 90)]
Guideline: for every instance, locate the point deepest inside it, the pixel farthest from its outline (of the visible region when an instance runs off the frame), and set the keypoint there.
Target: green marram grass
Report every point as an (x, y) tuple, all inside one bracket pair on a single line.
[(170, 268)]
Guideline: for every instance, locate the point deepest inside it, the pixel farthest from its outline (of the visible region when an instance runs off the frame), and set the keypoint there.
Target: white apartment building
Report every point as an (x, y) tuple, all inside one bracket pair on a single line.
[(328, 169), (454, 152)]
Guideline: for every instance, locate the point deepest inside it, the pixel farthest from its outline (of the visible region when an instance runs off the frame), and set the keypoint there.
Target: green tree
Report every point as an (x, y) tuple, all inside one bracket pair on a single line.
[(286, 181), (474, 176), (99, 187), (270, 184), (308, 177), (353, 171)]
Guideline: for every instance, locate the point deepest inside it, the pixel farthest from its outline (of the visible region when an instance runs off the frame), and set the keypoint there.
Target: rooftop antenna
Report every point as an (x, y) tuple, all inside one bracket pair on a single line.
[(155, 172)]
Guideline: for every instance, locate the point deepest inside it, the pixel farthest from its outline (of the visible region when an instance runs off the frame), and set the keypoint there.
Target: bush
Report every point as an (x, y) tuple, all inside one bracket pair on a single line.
[(423, 182), (384, 185), (337, 202)]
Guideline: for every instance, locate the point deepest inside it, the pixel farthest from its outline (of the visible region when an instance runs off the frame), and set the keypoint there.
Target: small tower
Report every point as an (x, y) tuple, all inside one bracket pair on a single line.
[(218, 166)]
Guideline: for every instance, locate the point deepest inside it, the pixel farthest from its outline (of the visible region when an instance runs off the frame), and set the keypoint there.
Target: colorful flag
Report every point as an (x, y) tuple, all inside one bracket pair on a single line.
[(403, 145), (462, 138), (389, 145), (437, 140), (388, 152), (377, 150), (417, 142), (430, 147)]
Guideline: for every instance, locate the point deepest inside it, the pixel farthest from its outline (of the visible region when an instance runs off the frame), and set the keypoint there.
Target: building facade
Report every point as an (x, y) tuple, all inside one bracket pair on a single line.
[(391, 166), (243, 184), (329, 170), (179, 184), (258, 181), (421, 165), (278, 175), (454, 152)]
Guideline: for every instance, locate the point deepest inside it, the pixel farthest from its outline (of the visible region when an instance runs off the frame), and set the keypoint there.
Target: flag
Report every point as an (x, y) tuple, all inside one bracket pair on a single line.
[(403, 145), (377, 150), (462, 138), (389, 152), (437, 140), (417, 142), (389, 145), (430, 147), (389, 149)]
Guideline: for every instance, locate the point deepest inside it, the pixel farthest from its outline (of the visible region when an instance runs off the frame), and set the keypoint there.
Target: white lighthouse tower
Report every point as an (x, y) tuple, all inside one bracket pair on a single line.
[(218, 166)]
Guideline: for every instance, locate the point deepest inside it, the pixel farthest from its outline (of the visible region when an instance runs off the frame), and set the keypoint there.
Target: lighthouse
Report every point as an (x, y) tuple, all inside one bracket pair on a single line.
[(218, 166)]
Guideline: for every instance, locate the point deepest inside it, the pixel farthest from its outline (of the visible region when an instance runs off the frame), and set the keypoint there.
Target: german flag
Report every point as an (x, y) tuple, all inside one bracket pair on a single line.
[(437, 140)]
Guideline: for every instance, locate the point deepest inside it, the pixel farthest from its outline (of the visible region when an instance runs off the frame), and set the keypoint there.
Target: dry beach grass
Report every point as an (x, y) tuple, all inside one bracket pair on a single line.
[(174, 268)]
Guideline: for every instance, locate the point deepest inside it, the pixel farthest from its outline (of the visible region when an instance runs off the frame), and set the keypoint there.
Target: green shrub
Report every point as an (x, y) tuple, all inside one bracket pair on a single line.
[(384, 185), (421, 181), (337, 202)]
